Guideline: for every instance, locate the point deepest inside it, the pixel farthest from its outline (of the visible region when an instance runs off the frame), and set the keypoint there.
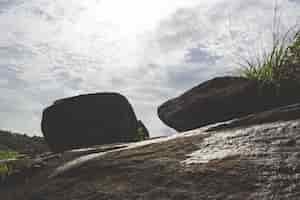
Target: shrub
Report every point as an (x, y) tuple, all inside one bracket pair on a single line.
[(142, 132)]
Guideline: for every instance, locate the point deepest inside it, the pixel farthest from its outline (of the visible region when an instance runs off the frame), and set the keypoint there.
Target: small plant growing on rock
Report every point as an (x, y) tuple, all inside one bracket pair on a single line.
[(142, 132)]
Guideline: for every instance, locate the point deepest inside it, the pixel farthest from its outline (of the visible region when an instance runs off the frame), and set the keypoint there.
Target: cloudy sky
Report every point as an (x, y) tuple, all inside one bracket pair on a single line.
[(149, 51)]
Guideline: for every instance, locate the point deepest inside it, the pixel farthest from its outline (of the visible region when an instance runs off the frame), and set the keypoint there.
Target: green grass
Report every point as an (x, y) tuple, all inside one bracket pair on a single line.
[(8, 154), (140, 135), (4, 168), (280, 65)]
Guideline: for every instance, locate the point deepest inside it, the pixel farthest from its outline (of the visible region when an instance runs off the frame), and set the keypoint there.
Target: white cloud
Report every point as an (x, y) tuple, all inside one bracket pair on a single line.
[(147, 50)]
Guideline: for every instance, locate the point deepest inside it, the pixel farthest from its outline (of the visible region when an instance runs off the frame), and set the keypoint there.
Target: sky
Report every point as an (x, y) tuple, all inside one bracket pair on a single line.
[(149, 51)]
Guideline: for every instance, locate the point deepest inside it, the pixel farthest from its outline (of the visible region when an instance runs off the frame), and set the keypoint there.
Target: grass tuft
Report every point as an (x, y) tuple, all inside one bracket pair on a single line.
[(279, 65)]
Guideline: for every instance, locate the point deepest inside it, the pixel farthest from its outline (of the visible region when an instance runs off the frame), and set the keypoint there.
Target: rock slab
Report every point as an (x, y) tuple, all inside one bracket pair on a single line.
[(222, 99), (257, 161)]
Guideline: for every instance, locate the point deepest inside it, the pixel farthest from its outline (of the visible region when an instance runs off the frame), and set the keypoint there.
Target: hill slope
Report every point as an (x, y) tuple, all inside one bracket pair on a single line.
[(22, 143)]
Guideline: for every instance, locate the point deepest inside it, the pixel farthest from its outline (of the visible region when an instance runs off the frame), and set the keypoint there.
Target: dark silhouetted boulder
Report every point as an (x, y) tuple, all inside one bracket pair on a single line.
[(86, 120), (222, 99)]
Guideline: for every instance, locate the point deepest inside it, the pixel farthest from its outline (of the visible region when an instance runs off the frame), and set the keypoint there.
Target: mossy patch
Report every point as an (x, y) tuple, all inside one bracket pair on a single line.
[(8, 155), (5, 169)]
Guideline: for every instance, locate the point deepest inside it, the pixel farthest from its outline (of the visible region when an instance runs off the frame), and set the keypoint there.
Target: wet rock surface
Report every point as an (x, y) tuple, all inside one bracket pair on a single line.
[(85, 120), (252, 161), (222, 99)]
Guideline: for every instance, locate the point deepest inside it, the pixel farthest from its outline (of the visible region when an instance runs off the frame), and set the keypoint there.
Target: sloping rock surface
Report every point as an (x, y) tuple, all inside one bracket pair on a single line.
[(86, 120), (222, 99), (252, 160)]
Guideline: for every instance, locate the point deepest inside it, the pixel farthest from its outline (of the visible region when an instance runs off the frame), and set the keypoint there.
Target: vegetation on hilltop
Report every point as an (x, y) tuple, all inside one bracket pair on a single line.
[(14, 146), (22, 143)]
